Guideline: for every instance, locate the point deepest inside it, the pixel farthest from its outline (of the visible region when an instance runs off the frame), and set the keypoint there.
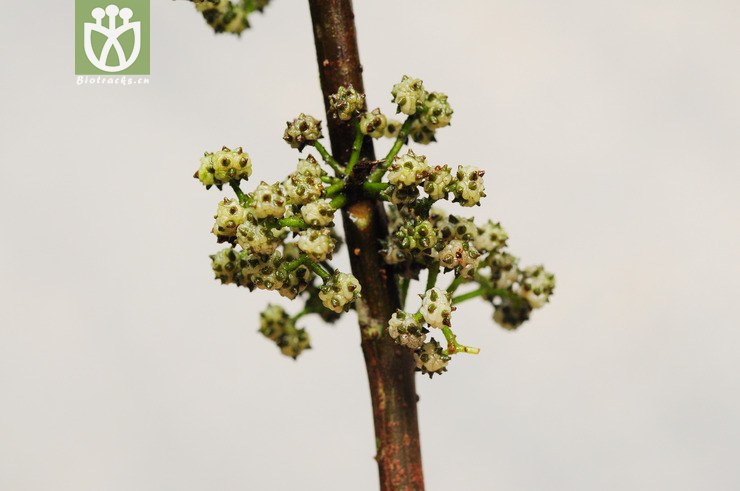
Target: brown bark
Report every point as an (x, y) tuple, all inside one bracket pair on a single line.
[(390, 367)]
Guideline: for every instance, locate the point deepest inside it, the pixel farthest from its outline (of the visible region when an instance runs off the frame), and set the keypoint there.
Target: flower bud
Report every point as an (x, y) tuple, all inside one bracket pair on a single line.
[(269, 201), (406, 330), (317, 243), (339, 291), (537, 285), (437, 183), (304, 185), (258, 238), (409, 94), (460, 256), (226, 165), (469, 188), (408, 170), (373, 123), (491, 237), (421, 133), (436, 307), (229, 215), (346, 102), (436, 112), (430, 358), (318, 213), (302, 131), (225, 265), (511, 314), (392, 128)]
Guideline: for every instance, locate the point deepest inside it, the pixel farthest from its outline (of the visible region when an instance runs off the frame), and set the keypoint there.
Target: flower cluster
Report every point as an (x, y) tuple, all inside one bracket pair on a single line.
[(346, 103), (429, 110), (221, 167), (439, 239), (422, 236), (304, 129), (259, 225), (226, 16), (410, 330), (281, 236), (278, 326)]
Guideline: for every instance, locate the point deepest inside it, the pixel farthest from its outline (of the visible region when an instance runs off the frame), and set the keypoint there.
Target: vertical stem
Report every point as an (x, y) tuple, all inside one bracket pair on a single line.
[(390, 367)]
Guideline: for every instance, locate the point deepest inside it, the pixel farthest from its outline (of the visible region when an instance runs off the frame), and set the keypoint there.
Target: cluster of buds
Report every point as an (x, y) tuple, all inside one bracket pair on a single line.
[(221, 167), (409, 174), (281, 235), (429, 110), (373, 123), (226, 16), (303, 130), (439, 239), (259, 226), (339, 292), (279, 327), (346, 103), (410, 330)]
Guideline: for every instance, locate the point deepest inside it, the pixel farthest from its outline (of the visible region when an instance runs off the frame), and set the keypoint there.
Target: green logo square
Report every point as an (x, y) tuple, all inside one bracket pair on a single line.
[(112, 37)]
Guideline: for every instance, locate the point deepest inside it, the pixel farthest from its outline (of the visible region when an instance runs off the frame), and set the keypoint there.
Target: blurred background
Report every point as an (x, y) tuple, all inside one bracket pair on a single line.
[(610, 135)]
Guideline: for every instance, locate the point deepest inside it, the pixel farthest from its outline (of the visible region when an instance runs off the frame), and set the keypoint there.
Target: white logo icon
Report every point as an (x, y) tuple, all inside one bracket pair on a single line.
[(112, 33)]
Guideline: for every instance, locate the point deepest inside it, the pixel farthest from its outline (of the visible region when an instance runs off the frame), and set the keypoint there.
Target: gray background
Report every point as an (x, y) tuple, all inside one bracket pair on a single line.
[(609, 131)]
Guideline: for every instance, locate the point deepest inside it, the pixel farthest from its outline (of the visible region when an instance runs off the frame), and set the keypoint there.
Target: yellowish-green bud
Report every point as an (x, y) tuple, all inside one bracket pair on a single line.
[(346, 103), (318, 213), (373, 123), (431, 359), (229, 215), (225, 265), (339, 292), (226, 165), (302, 131), (317, 243), (409, 94), (406, 330), (436, 112), (269, 201), (469, 188)]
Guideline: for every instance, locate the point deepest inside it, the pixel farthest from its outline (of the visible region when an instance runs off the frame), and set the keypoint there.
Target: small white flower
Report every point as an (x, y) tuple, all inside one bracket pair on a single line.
[(436, 307), (406, 331), (460, 256), (229, 215), (437, 112), (224, 265), (317, 243), (318, 213), (537, 285), (437, 183), (269, 201), (258, 239), (430, 358), (409, 94), (408, 170), (469, 188), (491, 237), (341, 290)]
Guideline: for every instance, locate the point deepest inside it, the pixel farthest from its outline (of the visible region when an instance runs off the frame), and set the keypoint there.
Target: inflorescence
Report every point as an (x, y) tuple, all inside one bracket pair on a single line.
[(281, 236), (228, 16)]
